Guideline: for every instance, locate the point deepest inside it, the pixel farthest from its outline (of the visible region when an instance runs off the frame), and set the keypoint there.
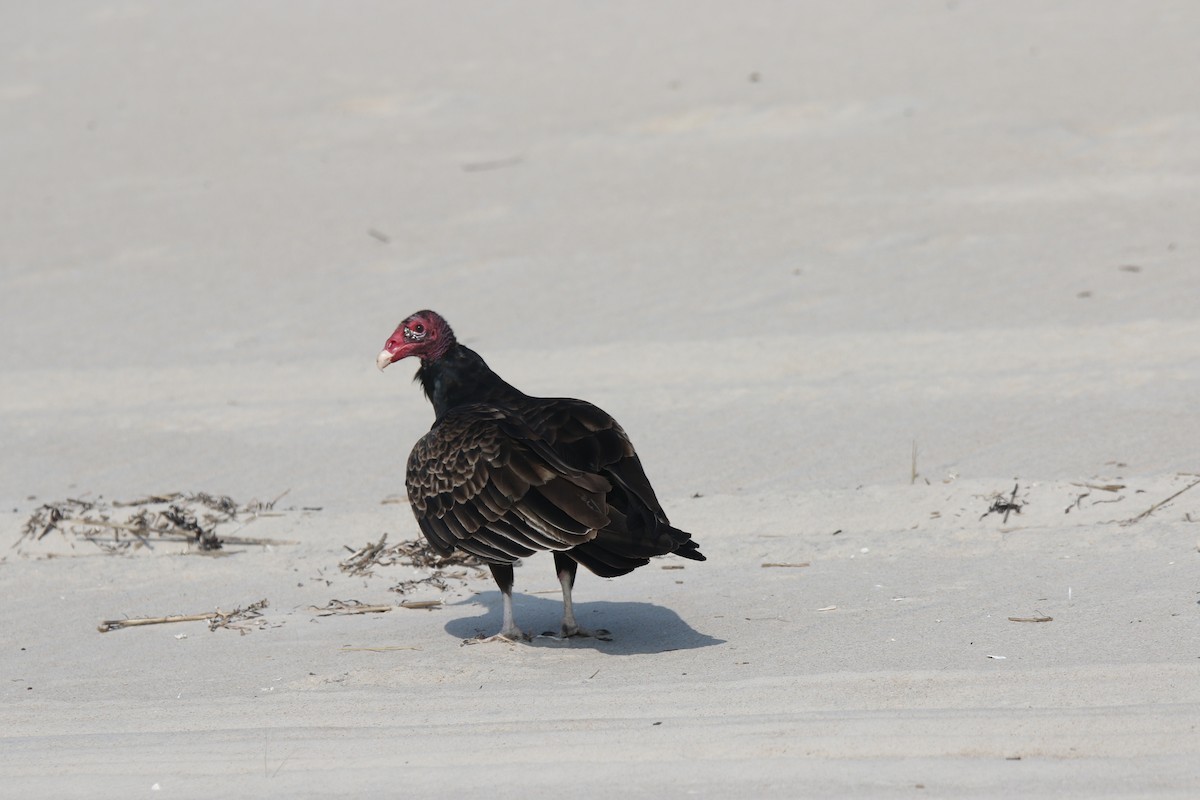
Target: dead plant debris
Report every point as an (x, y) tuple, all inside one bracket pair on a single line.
[(1159, 504), (388, 648), (134, 622), (414, 553), (1005, 505), (125, 526), (345, 607), (242, 620), (421, 603), (1103, 487)]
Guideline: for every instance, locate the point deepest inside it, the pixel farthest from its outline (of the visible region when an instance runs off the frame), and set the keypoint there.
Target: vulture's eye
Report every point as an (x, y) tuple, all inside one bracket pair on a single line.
[(418, 328)]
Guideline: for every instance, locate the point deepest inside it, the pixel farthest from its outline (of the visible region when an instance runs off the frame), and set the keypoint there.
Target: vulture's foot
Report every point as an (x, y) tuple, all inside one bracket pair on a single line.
[(511, 636), (573, 631)]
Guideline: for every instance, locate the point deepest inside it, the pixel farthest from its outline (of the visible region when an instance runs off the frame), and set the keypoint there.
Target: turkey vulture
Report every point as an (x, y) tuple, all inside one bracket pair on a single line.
[(503, 475)]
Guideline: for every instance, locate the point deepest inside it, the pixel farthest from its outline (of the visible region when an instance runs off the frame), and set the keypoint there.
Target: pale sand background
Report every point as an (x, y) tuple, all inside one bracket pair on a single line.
[(778, 241)]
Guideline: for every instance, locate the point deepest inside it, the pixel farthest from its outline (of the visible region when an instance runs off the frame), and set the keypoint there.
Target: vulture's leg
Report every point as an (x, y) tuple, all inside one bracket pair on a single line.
[(567, 567), (503, 573)]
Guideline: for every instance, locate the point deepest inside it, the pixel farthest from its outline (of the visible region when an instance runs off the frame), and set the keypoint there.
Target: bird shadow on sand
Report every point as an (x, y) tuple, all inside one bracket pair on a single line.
[(634, 628)]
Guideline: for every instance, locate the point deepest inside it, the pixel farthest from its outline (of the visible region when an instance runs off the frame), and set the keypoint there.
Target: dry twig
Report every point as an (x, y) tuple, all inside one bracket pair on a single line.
[(345, 607), (383, 649), (1104, 487), (116, 624), (233, 620), (1159, 504), (421, 603)]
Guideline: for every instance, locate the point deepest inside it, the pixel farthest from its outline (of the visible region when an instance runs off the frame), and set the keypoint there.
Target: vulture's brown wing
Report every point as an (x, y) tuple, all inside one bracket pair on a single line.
[(589, 438), (483, 481)]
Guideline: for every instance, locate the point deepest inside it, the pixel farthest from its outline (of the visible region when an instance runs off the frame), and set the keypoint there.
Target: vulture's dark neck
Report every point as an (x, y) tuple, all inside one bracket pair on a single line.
[(461, 376)]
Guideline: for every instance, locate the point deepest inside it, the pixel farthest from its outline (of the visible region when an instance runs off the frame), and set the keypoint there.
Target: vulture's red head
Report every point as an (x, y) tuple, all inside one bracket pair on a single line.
[(424, 335)]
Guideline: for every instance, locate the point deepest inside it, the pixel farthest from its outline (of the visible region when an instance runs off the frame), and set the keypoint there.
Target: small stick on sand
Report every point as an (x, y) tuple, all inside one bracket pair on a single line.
[(117, 624), (1104, 487), (421, 603), (343, 607), (1031, 619), (1011, 504), (250, 541), (1159, 504), (786, 564), (216, 619), (384, 649)]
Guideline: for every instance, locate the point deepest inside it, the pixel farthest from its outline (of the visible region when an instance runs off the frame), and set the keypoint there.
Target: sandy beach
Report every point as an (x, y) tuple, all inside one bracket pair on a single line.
[(900, 304)]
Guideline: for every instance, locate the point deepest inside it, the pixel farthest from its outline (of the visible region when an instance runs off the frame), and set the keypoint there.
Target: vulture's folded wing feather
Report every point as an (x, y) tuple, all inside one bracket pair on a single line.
[(484, 481), (590, 438)]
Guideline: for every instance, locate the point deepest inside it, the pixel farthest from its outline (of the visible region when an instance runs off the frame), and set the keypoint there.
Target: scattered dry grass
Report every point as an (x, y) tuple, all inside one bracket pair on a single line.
[(415, 553), (126, 526), (242, 620)]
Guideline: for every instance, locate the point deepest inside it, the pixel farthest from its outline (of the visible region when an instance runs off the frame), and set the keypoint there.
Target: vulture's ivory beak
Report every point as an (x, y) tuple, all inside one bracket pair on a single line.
[(383, 359)]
